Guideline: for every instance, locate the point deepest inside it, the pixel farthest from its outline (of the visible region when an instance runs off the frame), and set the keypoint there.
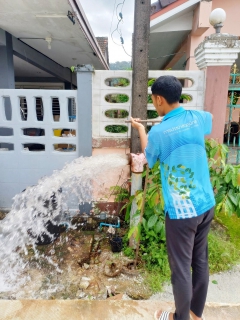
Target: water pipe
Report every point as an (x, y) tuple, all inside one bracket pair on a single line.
[(137, 162), (141, 216), (110, 225)]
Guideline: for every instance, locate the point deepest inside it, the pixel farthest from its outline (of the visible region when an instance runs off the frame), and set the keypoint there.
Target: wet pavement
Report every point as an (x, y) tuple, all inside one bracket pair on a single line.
[(100, 310)]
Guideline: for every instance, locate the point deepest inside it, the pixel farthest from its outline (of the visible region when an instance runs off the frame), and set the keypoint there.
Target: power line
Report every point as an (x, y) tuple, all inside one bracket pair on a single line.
[(118, 32), (120, 13), (168, 55), (112, 18), (126, 51), (120, 19)]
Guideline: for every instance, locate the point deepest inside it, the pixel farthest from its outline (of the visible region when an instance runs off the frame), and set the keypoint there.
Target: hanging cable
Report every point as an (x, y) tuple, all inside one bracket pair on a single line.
[(112, 18), (118, 32), (167, 55), (126, 51), (120, 19)]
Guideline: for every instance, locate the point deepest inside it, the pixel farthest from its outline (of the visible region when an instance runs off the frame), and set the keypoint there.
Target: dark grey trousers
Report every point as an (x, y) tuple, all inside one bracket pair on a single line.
[(187, 247)]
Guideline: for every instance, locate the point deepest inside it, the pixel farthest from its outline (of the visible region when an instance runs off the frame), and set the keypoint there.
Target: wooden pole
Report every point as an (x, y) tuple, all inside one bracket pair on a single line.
[(140, 66)]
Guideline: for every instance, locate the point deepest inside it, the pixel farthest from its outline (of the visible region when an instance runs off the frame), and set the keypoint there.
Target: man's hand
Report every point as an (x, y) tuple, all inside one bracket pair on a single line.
[(141, 130), (136, 124)]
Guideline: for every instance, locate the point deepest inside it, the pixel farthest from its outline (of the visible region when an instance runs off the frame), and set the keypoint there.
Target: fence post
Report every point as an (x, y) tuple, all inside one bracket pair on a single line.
[(84, 109), (216, 54)]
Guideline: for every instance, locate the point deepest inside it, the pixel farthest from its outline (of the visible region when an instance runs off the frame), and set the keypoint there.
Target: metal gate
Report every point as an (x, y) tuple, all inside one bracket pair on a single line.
[(232, 128)]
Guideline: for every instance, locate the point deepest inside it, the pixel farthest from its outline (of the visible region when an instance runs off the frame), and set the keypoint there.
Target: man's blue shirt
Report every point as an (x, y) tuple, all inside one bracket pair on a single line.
[(178, 142)]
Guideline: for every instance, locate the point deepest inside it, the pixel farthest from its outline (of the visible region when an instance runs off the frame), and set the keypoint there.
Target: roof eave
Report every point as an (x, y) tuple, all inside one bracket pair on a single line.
[(87, 30), (171, 12)]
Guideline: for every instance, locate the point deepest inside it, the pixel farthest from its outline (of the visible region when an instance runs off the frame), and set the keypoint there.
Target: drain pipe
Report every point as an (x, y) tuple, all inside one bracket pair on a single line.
[(137, 162)]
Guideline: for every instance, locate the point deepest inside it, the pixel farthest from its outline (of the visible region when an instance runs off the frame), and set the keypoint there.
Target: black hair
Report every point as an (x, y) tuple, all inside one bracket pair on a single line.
[(168, 87)]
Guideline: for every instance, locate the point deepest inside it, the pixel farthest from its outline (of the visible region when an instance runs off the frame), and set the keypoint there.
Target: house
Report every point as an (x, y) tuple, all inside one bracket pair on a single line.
[(177, 27), (41, 40)]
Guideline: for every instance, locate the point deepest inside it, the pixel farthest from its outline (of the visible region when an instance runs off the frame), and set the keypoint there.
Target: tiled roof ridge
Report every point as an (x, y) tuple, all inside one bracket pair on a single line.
[(103, 43)]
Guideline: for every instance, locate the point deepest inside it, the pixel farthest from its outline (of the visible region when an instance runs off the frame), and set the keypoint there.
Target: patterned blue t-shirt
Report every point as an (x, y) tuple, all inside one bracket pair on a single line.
[(178, 142)]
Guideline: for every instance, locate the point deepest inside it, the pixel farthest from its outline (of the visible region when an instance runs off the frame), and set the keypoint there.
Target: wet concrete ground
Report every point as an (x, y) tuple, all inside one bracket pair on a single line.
[(100, 310)]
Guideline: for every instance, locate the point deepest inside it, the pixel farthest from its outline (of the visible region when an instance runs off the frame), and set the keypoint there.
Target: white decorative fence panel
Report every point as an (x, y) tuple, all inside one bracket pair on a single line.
[(194, 81), (196, 88), (100, 105), (30, 145)]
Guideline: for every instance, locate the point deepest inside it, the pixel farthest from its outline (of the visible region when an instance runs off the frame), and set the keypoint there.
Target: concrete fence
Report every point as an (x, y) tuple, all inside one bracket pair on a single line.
[(31, 122), (41, 130), (194, 81)]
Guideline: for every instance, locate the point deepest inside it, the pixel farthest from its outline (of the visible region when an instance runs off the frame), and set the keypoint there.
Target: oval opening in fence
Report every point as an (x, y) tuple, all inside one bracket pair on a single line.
[(185, 82), (33, 132), (151, 81), (185, 98), (6, 146), (117, 98), (72, 109), (39, 109), (64, 132), (116, 128), (152, 114), (117, 82), (7, 108), (117, 113), (23, 108), (34, 147), (64, 147), (56, 109), (6, 132)]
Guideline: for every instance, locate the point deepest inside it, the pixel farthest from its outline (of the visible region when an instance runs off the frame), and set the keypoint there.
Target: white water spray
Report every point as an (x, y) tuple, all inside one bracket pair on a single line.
[(33, 208)]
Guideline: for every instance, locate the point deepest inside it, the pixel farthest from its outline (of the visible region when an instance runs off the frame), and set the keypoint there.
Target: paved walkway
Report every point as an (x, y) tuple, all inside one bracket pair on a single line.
[(224, 288), (99, 310), (223, 303)]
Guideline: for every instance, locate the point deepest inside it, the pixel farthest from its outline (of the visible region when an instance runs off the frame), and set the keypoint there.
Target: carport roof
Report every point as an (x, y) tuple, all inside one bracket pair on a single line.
[(32, 21)]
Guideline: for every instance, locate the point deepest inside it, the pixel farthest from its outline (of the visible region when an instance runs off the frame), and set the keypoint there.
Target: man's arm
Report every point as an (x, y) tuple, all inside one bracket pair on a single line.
[(141, 131)]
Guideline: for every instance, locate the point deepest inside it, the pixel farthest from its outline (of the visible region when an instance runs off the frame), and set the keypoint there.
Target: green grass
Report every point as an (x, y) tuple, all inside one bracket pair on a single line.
[(154, 279), (232, 225), (223, 254)]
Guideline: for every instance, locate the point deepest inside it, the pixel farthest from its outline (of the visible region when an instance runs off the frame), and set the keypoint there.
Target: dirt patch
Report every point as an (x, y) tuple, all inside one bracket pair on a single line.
[(78, 265)]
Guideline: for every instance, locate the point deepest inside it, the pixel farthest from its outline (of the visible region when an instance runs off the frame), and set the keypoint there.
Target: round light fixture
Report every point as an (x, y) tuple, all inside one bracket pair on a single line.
[(216, 19)]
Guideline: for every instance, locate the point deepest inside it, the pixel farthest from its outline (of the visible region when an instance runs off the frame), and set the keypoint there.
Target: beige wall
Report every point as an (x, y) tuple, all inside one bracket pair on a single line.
[(117, 176)]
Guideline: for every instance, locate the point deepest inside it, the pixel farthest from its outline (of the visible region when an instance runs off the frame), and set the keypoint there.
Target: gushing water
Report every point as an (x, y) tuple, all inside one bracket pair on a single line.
[(32, 211)]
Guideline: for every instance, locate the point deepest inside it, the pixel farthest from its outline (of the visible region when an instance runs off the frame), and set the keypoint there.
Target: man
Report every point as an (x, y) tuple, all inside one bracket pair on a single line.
[(178, 142)]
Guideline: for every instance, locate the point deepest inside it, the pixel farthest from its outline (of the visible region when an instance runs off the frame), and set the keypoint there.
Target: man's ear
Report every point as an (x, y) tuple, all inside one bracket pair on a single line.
[(159, 100)]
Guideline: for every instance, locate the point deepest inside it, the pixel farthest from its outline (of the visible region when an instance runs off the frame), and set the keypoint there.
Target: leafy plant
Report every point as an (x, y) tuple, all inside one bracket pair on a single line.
[(120, 193), (225, 179), (152, 231), (116, 128), (152, 114)]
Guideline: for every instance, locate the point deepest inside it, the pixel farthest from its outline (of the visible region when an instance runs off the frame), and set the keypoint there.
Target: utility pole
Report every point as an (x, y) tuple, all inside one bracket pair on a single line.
[(140, 66)]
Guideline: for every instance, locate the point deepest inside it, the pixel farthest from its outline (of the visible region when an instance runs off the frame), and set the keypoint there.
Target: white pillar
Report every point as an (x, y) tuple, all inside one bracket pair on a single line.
[(216, 54)]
